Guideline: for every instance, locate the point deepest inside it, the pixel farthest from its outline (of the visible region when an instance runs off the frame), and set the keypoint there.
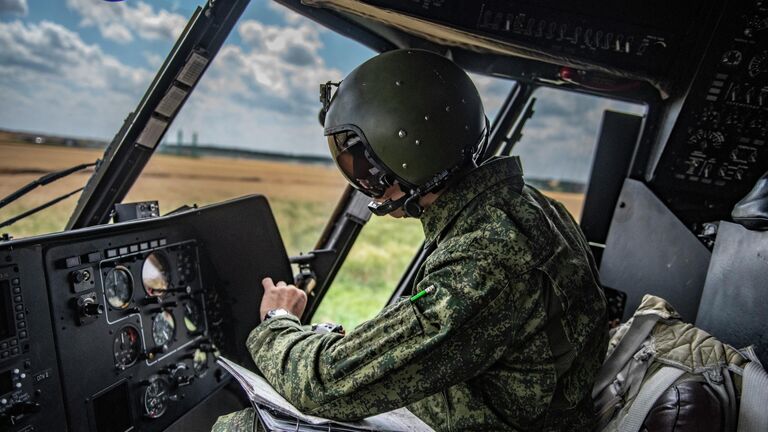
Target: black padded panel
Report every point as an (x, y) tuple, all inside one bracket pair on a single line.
[(615, 147), (734, 303)]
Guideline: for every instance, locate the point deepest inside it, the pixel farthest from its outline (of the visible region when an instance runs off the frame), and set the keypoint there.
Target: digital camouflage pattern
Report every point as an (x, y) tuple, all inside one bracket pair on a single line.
[(510, 339)]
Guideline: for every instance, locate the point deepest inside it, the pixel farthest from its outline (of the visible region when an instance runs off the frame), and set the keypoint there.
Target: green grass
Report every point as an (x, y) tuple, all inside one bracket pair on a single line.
[(367, 278), (373, 267)]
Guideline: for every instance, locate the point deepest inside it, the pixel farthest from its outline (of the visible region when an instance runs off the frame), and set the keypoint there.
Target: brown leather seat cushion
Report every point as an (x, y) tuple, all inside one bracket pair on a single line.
[(686, 406)]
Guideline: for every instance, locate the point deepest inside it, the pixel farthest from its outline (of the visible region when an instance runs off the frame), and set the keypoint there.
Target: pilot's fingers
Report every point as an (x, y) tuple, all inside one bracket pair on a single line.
[(281, 284), (267, 283)]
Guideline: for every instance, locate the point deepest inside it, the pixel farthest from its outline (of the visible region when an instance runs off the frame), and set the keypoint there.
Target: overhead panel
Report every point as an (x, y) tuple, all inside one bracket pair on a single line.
[(636, 40)]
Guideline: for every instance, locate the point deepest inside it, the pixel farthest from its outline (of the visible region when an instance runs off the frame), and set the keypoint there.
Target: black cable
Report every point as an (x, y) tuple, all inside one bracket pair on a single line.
[(42, 181), (37, 209)]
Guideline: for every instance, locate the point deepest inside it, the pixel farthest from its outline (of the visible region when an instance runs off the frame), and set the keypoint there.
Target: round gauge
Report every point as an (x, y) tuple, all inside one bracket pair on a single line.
[(193, 317), (126, 347), (155, 274), (200, 362), (155, 397), (705, 139), (163, 328), (731, 58), (118, 287), (758, 65)]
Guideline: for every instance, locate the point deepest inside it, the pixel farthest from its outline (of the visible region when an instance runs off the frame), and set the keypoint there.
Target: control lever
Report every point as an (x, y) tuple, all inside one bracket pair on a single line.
[(91, 309), (151, 353), (206, 347), (151, 300), (88, 309)]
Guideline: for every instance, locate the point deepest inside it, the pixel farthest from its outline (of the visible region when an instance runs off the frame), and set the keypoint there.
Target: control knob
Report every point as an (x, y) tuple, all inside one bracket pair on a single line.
[(89, 308)]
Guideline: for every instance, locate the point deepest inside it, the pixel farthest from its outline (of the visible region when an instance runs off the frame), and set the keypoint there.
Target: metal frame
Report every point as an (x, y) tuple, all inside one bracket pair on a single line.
[(125, 158)]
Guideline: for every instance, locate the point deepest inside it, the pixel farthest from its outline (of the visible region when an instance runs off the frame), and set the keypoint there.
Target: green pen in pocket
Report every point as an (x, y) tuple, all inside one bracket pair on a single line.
[(428, 290)]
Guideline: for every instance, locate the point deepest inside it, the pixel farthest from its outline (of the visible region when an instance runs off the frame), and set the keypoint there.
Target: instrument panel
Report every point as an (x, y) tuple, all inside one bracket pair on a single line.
[(718, 147), (127, 320)]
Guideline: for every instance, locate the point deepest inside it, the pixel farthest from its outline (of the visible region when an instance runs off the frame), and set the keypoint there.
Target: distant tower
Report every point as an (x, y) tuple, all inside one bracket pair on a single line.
[(180, 137), (193, 152)]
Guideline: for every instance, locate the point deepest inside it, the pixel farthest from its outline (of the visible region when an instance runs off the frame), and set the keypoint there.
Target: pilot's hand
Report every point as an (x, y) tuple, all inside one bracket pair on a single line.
[(282, 296)]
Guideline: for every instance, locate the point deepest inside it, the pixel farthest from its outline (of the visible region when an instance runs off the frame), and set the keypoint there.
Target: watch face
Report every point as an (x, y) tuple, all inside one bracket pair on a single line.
[(276, 312)]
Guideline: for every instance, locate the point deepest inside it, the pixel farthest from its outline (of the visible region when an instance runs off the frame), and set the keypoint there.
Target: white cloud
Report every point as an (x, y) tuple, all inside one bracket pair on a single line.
[(263, 94), (14, 7), (278, 68), (120, 21), (51, 49), (52, 81)]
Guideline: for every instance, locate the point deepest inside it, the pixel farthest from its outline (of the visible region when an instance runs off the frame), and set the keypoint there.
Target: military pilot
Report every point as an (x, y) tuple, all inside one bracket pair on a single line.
[(512, 327)]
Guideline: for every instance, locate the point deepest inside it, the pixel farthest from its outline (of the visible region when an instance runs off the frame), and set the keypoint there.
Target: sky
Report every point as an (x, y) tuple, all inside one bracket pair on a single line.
[(78, 67)]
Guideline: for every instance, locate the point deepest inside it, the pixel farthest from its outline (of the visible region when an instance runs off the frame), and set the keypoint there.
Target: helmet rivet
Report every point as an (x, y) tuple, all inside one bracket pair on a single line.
[(418, 142), (466, 127), (405, 166), (426, 117), (463, 100), (402, 133), (397, 83), (448, 108)]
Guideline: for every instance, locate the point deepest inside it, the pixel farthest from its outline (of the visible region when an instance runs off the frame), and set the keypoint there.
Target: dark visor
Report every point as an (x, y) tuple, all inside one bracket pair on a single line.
[(348, 150)]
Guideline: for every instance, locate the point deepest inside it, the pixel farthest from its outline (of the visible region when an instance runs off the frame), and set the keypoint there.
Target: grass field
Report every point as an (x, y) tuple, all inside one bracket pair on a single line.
[(302, 196)]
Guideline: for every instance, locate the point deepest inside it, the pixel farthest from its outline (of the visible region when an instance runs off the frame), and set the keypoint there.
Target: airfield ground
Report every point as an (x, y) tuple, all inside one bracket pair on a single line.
[(302, 196)]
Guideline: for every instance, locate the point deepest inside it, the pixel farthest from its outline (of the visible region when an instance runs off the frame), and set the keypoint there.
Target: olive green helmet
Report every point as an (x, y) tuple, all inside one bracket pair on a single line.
[(413, 115)]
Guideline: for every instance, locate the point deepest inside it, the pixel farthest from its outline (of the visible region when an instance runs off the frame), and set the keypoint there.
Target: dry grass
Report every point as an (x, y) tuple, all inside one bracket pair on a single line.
[(172, 180)]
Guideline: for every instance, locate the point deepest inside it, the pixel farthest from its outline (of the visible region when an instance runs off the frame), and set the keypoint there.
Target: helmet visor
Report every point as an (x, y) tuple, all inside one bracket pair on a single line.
[(348, 151)]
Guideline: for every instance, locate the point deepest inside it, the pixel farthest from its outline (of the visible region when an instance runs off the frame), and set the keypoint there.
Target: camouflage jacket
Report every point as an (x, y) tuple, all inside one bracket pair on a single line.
[(509, 338)]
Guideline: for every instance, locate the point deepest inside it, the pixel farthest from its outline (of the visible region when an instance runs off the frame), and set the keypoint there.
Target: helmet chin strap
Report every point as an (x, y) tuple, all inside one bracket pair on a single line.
[(409, 203), (388, 206)]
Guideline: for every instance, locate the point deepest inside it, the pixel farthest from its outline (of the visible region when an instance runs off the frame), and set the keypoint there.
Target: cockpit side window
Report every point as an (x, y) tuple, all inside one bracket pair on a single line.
[(558, 142)]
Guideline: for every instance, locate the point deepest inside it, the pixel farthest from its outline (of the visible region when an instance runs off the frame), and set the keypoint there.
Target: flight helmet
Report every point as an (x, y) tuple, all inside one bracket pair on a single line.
[(407, 116)]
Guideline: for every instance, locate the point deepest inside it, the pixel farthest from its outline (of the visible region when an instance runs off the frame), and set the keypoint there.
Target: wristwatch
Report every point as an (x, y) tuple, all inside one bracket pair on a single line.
[(275, 312)]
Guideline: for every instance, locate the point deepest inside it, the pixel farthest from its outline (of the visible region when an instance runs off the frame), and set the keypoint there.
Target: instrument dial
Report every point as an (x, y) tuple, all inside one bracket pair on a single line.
[(706, 139), (156, 397), (155, 274), (758, 65), (163, 328), (126, 347), (193, 317), (731, 58), (118, 287)]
